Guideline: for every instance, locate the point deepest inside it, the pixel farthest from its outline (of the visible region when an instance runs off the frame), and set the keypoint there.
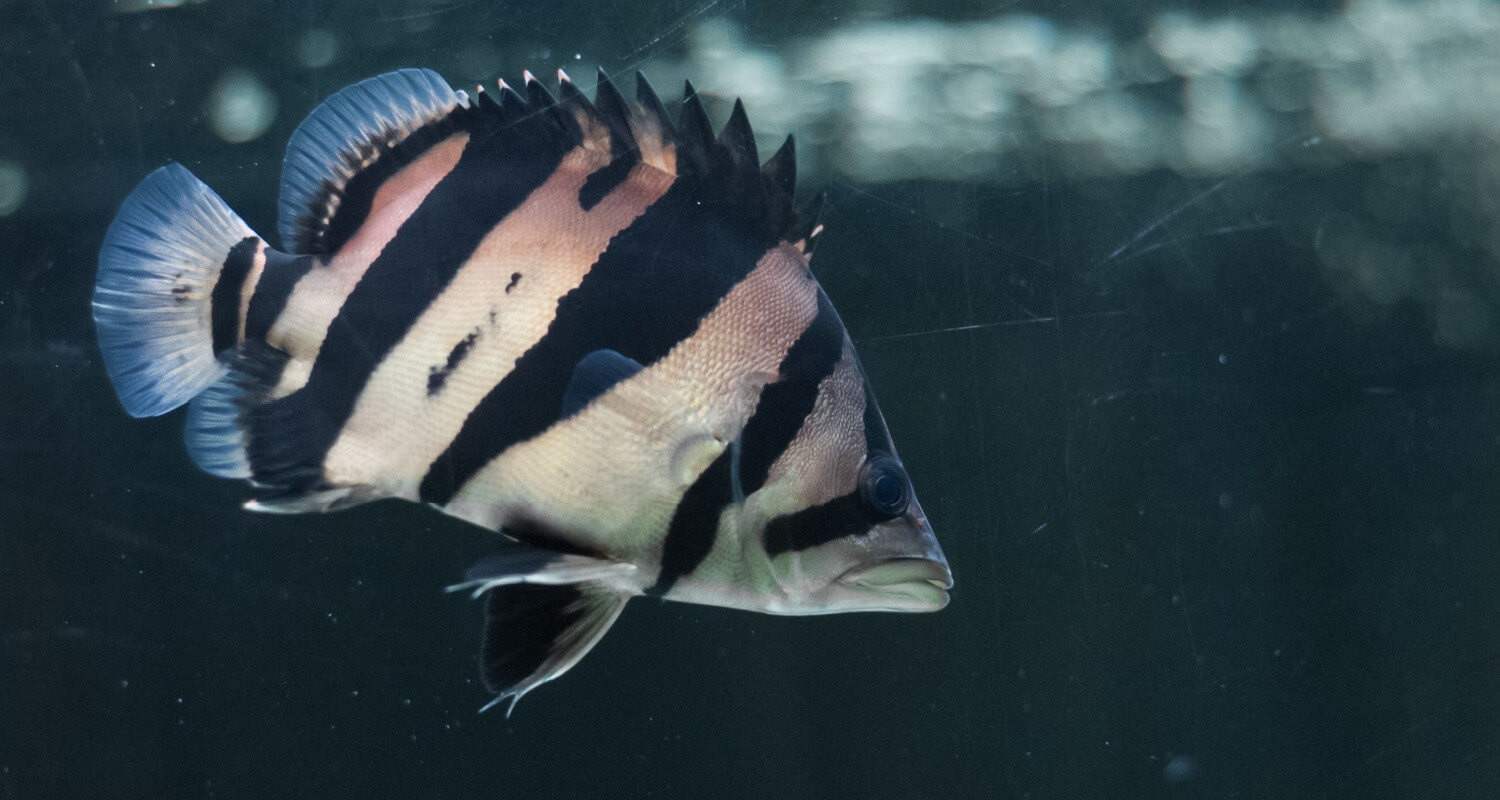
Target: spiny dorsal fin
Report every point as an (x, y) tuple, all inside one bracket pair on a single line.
[(537, 95), (582, 112), (728, 168), (739, 140), (512, 105), (741, 161), (615, 113), (695, 135), (358, 137), (568, 90), (780, 175), (781, 168), (652, 129), (349, 133), (485, 102), (804, 229)]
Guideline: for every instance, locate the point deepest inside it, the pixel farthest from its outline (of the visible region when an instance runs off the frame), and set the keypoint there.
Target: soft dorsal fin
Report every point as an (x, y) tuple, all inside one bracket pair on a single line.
[(346, 135), (593, 376)]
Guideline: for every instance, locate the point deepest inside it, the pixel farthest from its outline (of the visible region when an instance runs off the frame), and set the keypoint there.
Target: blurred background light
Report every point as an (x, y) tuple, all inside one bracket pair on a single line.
[(241, 108), (12, 187)]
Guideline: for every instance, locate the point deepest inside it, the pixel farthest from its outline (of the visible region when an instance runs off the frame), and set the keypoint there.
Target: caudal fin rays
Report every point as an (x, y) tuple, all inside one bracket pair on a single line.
[(159, 266)]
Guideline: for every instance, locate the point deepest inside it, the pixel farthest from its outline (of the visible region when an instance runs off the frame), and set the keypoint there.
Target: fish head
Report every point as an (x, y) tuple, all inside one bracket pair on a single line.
[(871, 549), (897, 565)]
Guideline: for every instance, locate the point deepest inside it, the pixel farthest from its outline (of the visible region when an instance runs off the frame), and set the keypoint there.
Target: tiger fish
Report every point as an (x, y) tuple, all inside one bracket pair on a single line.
[(583, 325)]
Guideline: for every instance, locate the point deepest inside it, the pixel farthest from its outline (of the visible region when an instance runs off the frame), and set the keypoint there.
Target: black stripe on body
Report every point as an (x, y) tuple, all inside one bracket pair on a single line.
[(224, 304), (277, 280), (492, 178), (352, 202), (785, 404), (695, 523), (256, 369), (658, 278), (845, 515), (603, 180)]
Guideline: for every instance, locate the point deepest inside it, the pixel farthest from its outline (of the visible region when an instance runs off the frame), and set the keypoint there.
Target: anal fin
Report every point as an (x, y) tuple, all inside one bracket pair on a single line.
[(544, 611), (215, 432)]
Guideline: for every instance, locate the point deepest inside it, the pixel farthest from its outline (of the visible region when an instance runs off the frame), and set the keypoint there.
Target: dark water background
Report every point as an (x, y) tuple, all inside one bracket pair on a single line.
[(1224, 525)]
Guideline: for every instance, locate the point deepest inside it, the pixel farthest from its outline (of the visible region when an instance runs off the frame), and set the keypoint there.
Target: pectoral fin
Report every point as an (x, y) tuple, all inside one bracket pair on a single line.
[(593, 376), (534, 565), (543, 612)]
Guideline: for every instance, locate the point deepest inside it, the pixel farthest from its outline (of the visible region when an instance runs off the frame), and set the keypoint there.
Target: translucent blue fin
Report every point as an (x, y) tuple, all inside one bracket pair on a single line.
[(153, 295), (215, 439), (593, 376), (343, 136)]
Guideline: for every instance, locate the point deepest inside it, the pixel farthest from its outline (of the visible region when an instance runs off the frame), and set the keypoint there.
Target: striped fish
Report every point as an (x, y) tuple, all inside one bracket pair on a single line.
[(581, 324)]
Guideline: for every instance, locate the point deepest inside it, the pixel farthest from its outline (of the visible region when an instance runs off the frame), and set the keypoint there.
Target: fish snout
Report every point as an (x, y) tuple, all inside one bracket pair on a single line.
[(902, 584)]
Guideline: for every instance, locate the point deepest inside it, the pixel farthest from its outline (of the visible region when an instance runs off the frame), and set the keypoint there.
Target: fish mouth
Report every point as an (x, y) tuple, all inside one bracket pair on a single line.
[(904, 584)]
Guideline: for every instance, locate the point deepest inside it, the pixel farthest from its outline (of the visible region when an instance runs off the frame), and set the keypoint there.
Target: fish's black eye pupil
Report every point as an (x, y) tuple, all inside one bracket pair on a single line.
[(884, 487)]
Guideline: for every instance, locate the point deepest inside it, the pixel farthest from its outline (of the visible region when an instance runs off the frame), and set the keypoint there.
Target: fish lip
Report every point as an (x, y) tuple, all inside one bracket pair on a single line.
[(921, 583), (901, 569)]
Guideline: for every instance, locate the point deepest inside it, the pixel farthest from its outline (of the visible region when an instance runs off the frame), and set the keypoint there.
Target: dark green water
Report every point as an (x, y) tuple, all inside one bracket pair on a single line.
[(1214, 450)]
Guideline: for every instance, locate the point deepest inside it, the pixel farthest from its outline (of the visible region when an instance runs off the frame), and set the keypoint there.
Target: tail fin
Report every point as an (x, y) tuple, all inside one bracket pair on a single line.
[(153, 298)]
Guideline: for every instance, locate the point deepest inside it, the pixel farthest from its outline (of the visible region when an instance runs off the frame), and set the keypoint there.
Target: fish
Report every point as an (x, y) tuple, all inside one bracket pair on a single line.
[(587, 326)]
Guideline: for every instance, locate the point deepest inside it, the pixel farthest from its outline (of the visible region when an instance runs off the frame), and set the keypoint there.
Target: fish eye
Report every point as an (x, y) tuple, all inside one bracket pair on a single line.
[(884, 487)]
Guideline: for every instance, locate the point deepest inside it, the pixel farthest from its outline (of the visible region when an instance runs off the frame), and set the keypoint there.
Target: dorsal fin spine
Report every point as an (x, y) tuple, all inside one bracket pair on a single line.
[(737, 143), (652, 128), (696, 135), (578, 112), (512, 105), (739, 140), (804, 228), (780, 176), (361, 124), (649, 105), (540, 102), (537, 95), (486, 101), (615, 113)]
